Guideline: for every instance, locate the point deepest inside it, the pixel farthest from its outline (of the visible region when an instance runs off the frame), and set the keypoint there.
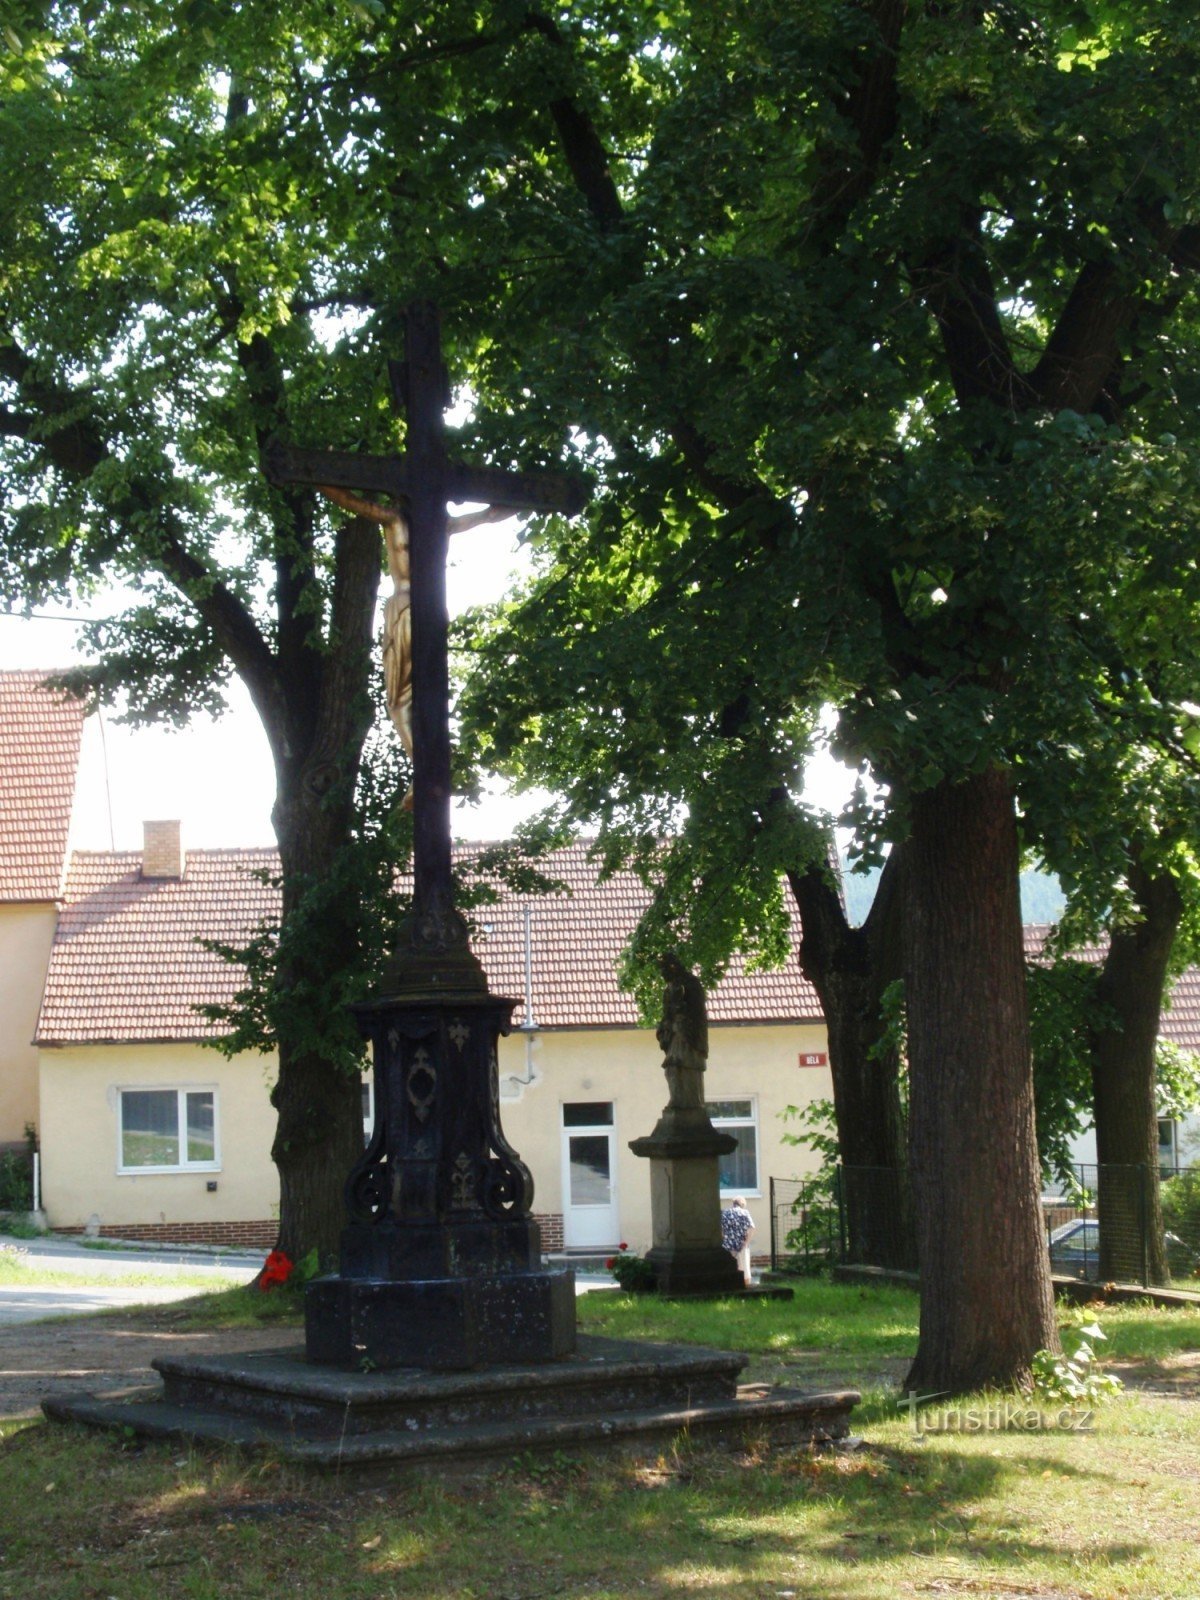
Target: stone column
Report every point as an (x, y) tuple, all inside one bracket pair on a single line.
[(684, 1150)]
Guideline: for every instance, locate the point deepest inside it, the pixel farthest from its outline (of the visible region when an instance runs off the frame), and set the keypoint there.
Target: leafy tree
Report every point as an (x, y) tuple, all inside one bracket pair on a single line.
[(887, 316), (873, 320), (169, 254), (211, 219)]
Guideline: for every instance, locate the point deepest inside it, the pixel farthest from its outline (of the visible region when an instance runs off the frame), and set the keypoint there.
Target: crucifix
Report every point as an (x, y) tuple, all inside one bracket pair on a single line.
[(420, 482), (440, 1261)]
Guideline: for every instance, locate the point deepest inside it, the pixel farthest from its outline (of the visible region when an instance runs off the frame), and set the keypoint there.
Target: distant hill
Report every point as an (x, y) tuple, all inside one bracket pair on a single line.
[(1041, 897)]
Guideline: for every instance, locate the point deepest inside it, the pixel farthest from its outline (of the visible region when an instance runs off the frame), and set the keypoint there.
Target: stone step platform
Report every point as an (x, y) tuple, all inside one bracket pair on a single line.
[(606, 1375), (611, 1393)]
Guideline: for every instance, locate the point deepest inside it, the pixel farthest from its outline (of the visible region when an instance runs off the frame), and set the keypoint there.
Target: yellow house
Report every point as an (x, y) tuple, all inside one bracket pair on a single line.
[(40, 732), (148, 1134)]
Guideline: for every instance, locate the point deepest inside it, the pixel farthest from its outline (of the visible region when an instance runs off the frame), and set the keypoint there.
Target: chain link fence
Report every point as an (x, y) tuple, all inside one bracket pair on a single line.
[(805, 1226), (846, 1214), (1105, 1228)]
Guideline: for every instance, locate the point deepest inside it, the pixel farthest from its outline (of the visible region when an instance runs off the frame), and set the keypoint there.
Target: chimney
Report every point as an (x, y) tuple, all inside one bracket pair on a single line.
[(162, 850)]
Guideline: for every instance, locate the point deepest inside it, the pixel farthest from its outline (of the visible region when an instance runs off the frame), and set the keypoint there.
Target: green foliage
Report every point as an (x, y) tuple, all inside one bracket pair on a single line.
[(1072, 1377), (1177, 1080), (16, 1180), (1180, 1198), (1062, 1009), (633, 1272), (812, 1239), (304, 971), (817, 1130), (880, 351)]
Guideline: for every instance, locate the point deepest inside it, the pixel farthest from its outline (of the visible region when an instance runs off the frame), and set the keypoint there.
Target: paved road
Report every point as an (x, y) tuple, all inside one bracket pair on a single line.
[(104, 1269), (102, 1272)]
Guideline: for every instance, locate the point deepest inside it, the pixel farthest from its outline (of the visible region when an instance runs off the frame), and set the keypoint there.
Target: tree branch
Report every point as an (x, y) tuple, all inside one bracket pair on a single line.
[(1082, 354), (76, 448), (955, 282), (870, 108)]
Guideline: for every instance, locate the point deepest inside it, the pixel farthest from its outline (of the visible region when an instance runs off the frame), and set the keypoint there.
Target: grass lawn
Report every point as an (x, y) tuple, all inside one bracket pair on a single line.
[(1115, 1512), (31, 1272)]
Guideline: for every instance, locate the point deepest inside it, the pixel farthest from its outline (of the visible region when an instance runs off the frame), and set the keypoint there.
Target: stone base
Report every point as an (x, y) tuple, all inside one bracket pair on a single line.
[(695, 1270), (610, 1392), (444, 1324), (415, 1248)]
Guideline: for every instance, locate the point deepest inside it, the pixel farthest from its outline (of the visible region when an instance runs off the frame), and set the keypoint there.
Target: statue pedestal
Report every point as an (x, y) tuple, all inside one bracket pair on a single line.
[(685, 1205), (440, 1263)]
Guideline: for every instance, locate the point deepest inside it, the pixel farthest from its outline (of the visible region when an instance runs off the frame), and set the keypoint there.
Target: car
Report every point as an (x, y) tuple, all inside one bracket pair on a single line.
[(1075, 1248)]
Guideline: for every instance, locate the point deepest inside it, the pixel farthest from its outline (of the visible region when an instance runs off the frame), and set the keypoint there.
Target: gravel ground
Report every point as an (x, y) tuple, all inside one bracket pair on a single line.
[(79, 1355)]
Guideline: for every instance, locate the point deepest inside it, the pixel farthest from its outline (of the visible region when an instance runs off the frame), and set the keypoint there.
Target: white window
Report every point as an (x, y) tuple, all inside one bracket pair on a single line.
[(1168, 1151), (739, 1169), (368, 1108), (168, 1130)]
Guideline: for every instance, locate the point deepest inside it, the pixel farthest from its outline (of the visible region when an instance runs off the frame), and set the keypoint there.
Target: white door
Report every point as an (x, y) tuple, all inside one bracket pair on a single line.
[(590, 1219)]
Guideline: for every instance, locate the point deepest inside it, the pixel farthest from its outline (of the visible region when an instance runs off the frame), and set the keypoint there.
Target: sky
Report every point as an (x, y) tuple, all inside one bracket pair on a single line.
[(216, 776)]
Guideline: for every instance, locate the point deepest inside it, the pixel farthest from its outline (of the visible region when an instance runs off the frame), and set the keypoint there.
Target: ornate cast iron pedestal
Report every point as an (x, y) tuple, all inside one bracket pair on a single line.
[(441, 1261)]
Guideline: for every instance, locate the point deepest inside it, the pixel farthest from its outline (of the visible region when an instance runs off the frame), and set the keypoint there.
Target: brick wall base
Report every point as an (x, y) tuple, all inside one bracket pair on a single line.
[(246, 1235), (259, 1235), (551, 1224)]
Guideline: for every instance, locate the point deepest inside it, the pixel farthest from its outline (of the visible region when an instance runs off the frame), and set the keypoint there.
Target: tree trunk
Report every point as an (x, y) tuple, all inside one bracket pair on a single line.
[(986, 1304), (1130, 990), (319, 1134), (850, 968)]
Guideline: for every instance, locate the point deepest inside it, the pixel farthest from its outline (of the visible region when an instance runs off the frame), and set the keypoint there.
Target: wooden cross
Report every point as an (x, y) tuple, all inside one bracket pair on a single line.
[(422, 480)]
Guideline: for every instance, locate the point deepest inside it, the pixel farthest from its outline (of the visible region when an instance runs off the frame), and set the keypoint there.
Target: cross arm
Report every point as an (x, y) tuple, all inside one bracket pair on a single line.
[(342, 469), (520, 491)]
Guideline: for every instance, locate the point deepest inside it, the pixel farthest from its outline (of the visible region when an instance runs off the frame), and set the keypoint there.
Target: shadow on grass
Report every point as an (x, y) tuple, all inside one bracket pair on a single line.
[(688, 1520)]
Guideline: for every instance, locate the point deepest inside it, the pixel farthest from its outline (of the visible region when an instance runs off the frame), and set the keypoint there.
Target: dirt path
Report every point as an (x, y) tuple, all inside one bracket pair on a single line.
[(79, 1355)]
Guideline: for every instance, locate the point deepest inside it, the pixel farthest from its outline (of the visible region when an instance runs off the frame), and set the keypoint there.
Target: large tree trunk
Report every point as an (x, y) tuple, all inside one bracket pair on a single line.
[(850, 968), (319, 1134), (1130, 991), (986, 1304)]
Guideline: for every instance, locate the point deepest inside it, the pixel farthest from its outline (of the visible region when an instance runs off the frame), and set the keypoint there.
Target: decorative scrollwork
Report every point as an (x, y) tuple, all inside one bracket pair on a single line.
[(507, 1181), (462, 1182), (367, 1191), (459, 1033), (507, 1185), (421, 1086)]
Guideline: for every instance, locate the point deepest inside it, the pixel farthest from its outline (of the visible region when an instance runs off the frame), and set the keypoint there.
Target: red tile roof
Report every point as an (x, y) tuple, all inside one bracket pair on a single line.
[(126, 965), (1179, 1022), (40, 730), (575, 945)]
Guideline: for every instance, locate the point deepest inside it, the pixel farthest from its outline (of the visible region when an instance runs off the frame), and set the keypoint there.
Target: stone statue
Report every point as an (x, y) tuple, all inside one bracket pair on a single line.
[(683, 1034), (684, 1152)]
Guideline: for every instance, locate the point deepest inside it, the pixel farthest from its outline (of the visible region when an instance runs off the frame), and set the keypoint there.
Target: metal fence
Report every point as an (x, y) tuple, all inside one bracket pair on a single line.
[(1104, 1228), (846, 1214), (805, 1226)]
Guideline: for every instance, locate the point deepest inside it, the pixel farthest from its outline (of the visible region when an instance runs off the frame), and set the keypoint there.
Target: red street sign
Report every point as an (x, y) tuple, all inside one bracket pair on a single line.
[(814, 1058)]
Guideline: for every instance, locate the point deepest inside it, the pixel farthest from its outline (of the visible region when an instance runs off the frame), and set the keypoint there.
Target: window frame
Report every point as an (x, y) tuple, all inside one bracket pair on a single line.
[(748, 1121), (180, 1091)]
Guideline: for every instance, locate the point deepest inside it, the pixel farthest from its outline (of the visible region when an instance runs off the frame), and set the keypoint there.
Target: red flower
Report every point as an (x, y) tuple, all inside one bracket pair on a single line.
[(611, 1262), (622, 1245), (277, 1268)]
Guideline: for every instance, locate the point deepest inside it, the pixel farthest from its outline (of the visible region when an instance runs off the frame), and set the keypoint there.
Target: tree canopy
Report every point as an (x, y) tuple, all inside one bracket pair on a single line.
[(873, 321)]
